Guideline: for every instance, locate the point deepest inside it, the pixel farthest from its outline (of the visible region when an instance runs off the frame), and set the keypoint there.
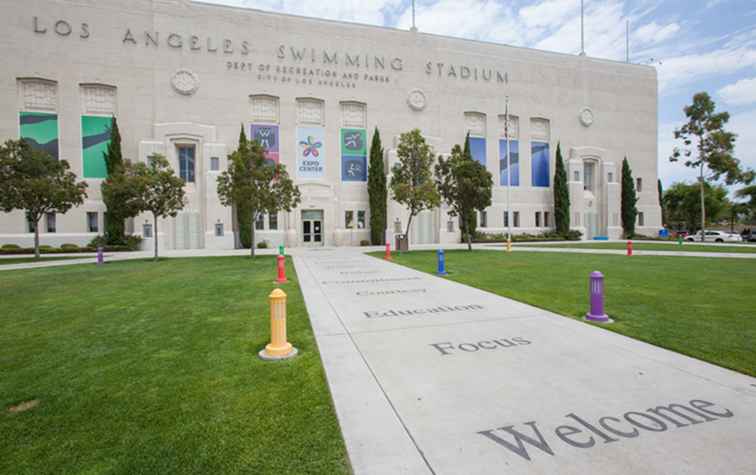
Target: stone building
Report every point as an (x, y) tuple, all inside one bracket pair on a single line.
[(182, 76)]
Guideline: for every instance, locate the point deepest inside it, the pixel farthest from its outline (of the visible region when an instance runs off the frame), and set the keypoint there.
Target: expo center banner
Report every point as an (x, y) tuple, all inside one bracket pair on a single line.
[(310, 152)]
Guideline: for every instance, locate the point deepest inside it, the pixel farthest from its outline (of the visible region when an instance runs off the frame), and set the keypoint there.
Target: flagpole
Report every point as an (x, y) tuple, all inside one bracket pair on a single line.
[(582, 29), (509, 175), (414, 28)]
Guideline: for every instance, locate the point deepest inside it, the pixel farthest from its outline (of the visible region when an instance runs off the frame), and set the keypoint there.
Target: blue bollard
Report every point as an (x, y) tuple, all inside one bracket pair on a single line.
[(441, 262)]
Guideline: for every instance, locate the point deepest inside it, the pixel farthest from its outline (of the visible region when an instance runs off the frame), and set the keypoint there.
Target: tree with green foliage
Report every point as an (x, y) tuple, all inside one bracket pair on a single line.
[(377, 191), (256, 185), (465, 185), (157, 190), (115, 213), (36, 182), (561, 196), (628, 201), (683, 205), (749, 193), (709, 148), (412, 182), (242, 210)]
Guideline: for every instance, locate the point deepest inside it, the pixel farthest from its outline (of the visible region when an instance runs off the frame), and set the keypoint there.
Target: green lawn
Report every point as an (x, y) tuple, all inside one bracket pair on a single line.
[(143, 367), (26, 259), (702, 307), (652, 246)]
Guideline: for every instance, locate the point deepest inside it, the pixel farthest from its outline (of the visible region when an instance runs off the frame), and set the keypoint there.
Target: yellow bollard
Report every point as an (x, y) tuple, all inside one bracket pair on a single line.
[(509, 245), (278, 348)]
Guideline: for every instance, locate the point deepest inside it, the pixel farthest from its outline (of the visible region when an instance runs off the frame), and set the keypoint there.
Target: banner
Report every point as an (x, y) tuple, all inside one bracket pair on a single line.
[(514, 161), (353, 155), (478, 149), (310, 152), (95, 138), (40, 130), (267, 136)]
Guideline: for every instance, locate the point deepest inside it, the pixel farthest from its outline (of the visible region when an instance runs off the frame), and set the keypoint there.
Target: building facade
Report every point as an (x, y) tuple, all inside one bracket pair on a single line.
[(182, 77)]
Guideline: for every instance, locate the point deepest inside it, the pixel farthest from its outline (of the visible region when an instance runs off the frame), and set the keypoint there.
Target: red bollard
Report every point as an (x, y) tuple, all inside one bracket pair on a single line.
[(281, 270), (629, 248), (388, 252)]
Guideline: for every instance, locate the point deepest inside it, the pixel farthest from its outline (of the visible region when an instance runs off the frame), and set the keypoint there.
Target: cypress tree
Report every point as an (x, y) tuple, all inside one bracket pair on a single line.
[(114, 217), (242, 210), (377, 191), (629, 198), (561, 196), (661, 201)]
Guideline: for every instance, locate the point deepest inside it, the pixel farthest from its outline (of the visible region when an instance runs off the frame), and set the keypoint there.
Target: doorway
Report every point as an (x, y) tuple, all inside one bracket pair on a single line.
[(312, 227)]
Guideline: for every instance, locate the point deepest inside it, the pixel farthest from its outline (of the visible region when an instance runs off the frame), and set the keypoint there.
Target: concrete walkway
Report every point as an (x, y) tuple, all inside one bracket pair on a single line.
[(431, 376)]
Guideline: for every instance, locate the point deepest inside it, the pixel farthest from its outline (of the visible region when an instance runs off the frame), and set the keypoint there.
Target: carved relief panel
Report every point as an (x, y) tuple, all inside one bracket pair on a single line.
[(310, 111), (475, 123), (514, 126), (98, 99), (353, 114), (38, 94), (265, 108), (540, 129)]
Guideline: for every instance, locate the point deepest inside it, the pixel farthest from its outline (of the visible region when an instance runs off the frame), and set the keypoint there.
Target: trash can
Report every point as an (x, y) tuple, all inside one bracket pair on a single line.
[(401, 243), (663, 233)]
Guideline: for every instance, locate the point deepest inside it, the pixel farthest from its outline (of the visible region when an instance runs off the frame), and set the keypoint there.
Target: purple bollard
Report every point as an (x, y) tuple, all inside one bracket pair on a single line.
[(100, 256), (596, 290)]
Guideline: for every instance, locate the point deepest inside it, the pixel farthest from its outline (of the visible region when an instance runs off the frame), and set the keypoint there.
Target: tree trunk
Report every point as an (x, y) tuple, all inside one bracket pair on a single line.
[(155, 235), (36, 238), (252, 237), (703, 210), (406, 233), (469, 241)]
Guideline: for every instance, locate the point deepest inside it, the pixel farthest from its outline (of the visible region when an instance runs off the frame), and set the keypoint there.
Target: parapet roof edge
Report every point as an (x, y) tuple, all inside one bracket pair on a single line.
[(434, 35)]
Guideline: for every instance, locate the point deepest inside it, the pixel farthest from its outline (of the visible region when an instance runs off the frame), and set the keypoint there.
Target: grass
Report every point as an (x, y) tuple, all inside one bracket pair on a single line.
[(701, 307), (26, 260), (142, 367), (655, 246)]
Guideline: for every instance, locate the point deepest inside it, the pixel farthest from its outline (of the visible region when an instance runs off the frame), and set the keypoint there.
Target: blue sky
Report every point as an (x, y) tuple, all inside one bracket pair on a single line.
[(696, 45)]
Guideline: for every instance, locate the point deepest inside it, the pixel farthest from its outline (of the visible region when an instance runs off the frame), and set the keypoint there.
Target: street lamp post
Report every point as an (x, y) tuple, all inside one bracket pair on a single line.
[(509, 175)]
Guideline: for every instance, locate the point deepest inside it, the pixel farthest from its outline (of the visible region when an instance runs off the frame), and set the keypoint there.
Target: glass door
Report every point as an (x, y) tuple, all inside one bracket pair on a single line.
[(312, 227)]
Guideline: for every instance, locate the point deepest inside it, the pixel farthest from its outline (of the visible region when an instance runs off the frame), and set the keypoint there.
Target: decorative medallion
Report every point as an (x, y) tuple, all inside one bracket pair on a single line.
[(586, 116), (416, 99), (185, 82)]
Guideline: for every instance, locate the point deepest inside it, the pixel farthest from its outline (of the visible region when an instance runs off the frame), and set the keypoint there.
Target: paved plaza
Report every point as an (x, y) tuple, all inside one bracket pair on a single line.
[(431, 376)]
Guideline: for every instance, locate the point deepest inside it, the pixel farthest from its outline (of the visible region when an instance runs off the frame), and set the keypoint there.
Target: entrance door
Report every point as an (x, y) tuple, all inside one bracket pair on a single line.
[(312, 227)]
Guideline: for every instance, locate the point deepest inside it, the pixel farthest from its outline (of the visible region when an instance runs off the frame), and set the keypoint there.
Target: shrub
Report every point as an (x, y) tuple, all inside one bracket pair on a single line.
[(96, 242), (572, 235), (364, 242), (262, 245), (11, 247), (69, 247), (45, 247)]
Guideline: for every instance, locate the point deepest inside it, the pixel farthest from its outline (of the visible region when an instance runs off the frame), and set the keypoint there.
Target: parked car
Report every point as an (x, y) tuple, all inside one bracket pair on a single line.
[(748, 235), (715, 236)]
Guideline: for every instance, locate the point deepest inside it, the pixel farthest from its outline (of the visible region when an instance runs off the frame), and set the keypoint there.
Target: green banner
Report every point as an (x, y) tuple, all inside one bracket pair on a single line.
[(40, 129), (95, 138)]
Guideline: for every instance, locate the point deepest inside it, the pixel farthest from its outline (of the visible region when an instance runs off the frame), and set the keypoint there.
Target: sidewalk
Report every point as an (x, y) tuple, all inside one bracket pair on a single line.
[(431, 376)]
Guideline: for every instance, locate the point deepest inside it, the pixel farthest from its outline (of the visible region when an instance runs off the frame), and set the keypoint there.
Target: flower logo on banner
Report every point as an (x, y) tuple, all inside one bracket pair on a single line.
[(353, 141), (310, 146)]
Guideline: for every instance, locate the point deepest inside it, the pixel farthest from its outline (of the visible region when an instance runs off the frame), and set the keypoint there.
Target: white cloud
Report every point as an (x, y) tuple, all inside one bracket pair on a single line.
[(655, 33), (687, 69), (741, 92)]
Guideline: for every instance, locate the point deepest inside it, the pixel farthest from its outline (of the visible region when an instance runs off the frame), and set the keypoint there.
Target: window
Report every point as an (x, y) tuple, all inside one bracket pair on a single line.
[(218, 229), (450, 226), (397, 226), (214, 164), (639, 184), (539, 153), (506, 219), (147, 230), (30, 225), (361, 219), (273, 222), (50, 221), (588, 168), (577, 176), (483, 219), (545, 219), (260, 222), (514, 162), (186, 162), (349, 219), (538, 219), (610, 177), (516, 219), (92, 226), (641, 219)]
